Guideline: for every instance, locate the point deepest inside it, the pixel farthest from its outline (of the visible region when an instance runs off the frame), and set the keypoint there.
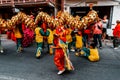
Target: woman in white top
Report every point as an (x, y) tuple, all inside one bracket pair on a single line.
[(105, 24)]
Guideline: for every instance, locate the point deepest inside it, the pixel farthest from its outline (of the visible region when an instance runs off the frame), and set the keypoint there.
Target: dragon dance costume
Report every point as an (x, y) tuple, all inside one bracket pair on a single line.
[(19, 35), (91, 53), (39, 33), (69, 38), (28, 36), (79, 42), (59, 55), (61, 58), (49, 34)]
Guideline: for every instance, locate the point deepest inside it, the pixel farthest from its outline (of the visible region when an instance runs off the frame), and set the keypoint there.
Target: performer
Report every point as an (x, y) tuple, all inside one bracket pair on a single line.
[(39, 33), (91, 53), (44, 28), (49, 34), (79, 42), (69, 37), (59, 55), (61, 51), (73, 39), (19, 35)]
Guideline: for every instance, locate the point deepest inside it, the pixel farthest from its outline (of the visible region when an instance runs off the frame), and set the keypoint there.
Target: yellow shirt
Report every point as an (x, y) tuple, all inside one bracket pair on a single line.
[(38, 37), (50, 37), (17, 33), (94, 55), (79, 42)]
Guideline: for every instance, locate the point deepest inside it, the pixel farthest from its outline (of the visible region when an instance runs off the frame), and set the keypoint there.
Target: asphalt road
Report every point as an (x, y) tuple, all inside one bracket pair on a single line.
[(24, 66)]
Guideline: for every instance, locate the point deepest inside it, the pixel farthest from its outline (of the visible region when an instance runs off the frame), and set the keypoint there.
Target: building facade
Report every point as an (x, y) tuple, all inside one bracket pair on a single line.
[(110, 8), (9, 7)]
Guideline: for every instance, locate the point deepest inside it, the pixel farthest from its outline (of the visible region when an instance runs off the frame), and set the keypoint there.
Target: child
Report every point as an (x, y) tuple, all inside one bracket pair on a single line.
[(91, 53), (60, 50), (59, 55)]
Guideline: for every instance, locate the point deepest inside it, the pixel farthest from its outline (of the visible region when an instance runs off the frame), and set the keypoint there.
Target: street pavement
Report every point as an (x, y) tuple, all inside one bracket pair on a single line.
[(24, 66)]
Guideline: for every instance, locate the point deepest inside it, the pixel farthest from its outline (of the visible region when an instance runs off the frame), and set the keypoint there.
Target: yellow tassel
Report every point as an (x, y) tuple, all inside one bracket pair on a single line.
[(68, 63), (51, 51)]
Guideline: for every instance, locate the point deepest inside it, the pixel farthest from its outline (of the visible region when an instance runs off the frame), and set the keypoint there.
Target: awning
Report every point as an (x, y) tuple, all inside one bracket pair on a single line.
[(26, 3)]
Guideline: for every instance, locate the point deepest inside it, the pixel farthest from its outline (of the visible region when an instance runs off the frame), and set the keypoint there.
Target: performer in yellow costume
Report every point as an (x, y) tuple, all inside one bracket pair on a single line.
[(79, 42), (69, 38), (91, 53), (39, 33), (49, 34), (19, 35)]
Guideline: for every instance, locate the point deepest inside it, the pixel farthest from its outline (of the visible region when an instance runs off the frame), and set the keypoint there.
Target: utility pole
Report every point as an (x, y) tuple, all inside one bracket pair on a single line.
[(59, 4), (62, 5)]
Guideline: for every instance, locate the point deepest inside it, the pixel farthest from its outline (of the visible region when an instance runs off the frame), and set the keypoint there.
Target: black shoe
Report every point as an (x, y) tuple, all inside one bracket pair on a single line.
[(38, 57)]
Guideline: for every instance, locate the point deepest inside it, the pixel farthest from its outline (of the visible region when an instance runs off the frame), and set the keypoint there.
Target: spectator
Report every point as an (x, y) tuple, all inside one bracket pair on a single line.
[(105, 24), (116, 35), (97, 33)]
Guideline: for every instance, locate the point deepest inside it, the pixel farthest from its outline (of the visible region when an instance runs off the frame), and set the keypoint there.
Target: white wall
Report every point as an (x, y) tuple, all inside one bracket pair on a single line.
[(115, 16), (99, 3)]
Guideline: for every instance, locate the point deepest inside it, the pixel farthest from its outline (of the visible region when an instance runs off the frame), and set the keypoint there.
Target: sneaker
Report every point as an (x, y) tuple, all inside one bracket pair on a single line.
[(19, 50), (38, 54), (60, 72), (1, 51), (72, 50), (115, 48)]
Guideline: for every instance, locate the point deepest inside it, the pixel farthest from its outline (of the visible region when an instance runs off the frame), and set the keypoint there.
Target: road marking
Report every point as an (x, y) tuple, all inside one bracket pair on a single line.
[(10, 78)]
